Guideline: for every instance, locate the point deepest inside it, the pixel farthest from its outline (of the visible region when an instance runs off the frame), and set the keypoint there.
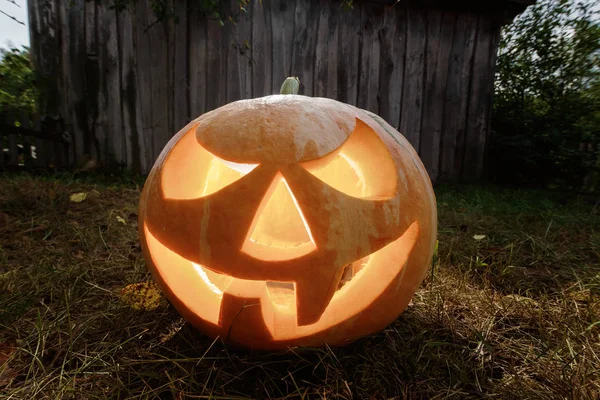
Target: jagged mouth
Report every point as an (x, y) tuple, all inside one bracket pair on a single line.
[(204, 292), (282, 294)]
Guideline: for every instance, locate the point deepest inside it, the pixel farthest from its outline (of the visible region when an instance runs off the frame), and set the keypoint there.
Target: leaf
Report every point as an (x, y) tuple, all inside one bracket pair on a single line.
[(121, 220), (7, 374), (142, 296), (479, 237), (78, 197)]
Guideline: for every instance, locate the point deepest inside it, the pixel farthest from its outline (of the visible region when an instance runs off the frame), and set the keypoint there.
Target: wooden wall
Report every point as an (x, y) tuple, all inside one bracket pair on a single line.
[(125, 85)]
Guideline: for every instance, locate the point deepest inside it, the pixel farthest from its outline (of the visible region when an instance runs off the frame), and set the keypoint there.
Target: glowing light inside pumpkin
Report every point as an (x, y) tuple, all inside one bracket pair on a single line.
[(277, 300), (361, 168), (279, 230)]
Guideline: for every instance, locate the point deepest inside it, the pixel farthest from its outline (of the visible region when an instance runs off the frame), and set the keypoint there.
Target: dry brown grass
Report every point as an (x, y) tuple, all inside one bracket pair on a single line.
[(514, 315)]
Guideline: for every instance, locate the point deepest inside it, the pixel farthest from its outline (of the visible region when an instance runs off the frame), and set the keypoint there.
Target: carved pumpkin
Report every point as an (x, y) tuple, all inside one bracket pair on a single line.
[(288, 221)]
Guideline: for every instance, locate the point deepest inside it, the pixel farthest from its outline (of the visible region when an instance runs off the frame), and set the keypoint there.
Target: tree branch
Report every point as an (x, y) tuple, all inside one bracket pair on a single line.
[(13, 1), (13, 18)]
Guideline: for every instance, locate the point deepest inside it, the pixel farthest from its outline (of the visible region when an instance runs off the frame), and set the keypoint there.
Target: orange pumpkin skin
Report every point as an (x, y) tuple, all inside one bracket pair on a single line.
[(288, 221)]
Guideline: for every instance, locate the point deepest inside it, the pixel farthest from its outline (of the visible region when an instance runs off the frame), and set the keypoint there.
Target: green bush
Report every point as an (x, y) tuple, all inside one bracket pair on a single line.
[(18, 91), (546, 122)]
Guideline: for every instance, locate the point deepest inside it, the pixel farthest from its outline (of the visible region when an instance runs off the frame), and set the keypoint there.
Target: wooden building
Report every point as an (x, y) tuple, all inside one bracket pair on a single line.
[(125, 84)]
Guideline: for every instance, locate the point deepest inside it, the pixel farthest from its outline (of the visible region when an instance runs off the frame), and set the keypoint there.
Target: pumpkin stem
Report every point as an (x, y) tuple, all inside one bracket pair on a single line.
[(290, 86)]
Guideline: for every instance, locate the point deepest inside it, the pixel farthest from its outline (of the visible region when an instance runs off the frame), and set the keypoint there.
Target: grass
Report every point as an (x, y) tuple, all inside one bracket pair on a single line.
[(514, 315)]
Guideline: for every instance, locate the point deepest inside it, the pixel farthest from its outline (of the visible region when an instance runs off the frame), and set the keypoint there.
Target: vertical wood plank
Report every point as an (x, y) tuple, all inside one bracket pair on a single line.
[(130, 94), (101, 112), (111, 88), (321, 52), (454, 111), (243, 32), (348, 50), (160, 75), (439, 41), (373, 99), (333, 51), (238, 54), (216, 85), (282, 26), (197, 63), (479, 99), (305, 37), (366, 27), (77, 99), (412, 96), (466, 70), (393, 47), (66, 42), (143, 46), (262, 44), (92, 79), (181, 106)]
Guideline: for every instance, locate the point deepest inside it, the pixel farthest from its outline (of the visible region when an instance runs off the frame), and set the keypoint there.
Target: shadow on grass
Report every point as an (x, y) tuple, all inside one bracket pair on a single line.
[(507, 316)]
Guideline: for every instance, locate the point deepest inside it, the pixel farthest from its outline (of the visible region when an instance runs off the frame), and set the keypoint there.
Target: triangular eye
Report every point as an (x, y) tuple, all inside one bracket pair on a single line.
[(191, 172), (361, 167)]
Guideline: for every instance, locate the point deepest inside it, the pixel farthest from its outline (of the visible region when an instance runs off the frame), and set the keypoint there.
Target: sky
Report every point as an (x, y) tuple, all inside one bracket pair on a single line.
[(11, 32)]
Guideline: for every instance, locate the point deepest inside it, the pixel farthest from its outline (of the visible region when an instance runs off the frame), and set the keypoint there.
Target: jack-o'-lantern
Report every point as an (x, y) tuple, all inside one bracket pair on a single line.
[(288, 221)]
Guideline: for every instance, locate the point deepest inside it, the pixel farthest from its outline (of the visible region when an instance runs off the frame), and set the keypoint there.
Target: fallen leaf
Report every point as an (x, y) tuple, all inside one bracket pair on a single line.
[(6, 350), (7, 374), (121, 220), (479, 237), (142, 296), (78, 197)]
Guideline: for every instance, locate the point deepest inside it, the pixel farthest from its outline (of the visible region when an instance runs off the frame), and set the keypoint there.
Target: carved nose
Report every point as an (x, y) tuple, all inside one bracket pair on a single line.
[(279, 230)]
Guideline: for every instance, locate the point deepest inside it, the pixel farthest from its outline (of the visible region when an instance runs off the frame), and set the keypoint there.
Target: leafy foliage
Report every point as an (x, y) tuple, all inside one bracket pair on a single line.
[(163, 9), (546, 124), (17, 84)]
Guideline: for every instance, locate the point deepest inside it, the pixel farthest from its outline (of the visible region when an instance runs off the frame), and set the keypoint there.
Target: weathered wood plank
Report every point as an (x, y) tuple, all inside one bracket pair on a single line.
[(479, 99), (333, 52), (65, 68), (92, 72), (135, 145), (282, 26), (160, 51), (393, 47), (366, 26), (304, 45), (76, 113), (373, 99), (238, 53), (460, 54), (439, 43), (143, 46), (321, 52), (262, 45), (181, 97), (412, 94), (102, 133), (349, 29), (197, 63), (464, 94), (111, 88), (216, 85)]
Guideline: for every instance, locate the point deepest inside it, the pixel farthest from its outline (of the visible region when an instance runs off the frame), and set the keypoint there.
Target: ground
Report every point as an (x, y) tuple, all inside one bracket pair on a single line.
[(514, 314)]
